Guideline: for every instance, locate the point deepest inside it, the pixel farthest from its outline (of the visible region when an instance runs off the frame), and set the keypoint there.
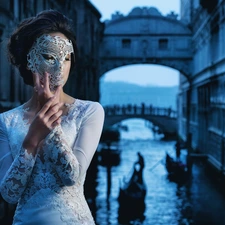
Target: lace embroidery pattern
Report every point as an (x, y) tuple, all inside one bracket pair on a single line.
[(62, 157), (52, 177), (17, 127), (18, 177)]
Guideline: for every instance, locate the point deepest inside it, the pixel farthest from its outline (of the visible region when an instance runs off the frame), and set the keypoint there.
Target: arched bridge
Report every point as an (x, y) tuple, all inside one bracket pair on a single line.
[(145, 36), (164, 118)]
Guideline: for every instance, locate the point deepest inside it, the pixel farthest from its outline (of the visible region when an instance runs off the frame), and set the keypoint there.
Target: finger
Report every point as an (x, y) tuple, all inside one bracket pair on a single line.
[(58, 90), (43, 80), (36, 80), (46, 80), (47, 106), (56, 123), (52, 110), (55, 117), (45, 86), (55, 105)]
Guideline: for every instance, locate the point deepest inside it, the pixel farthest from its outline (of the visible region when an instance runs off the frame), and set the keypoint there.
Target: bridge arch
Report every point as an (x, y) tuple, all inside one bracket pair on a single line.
[(146, 37)]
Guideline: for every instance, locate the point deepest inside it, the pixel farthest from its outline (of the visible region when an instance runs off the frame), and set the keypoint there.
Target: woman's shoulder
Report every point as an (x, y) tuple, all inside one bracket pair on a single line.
[(86, 107), (11, 113)]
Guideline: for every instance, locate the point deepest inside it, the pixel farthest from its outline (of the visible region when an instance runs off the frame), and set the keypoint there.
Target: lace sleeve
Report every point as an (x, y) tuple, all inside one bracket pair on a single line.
[(72, 163), (62, 156), (16, 178), (14, 174)]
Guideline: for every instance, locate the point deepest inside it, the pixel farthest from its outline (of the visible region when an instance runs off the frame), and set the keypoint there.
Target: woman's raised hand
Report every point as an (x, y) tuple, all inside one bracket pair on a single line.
[(48, 116)]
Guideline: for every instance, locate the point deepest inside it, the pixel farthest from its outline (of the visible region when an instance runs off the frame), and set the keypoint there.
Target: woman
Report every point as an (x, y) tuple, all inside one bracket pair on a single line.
[(47, 144)]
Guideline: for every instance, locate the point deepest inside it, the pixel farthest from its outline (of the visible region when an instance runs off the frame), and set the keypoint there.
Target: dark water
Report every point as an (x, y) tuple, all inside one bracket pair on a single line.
[(197, 201)]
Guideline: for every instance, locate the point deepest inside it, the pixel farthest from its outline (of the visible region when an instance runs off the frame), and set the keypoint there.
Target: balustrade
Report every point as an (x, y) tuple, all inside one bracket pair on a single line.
[(129, 110)]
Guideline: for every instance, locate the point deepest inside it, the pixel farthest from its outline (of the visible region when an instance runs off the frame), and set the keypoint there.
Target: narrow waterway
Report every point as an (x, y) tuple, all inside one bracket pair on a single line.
[(197, 201)]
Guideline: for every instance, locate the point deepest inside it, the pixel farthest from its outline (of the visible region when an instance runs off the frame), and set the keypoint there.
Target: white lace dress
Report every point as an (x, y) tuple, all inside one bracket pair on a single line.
[(49, 187)]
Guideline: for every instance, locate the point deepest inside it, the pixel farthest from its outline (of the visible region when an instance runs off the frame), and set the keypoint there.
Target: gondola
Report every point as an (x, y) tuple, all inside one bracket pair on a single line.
[(132, 194), (175, 168)]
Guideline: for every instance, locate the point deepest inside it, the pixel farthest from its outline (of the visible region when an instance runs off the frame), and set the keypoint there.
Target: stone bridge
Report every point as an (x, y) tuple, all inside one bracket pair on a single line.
[(145, 36), (163, 118)]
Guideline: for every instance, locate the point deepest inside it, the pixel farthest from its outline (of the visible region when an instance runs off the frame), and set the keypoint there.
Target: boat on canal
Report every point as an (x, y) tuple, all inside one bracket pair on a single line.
[(132, 194), (175, 168)]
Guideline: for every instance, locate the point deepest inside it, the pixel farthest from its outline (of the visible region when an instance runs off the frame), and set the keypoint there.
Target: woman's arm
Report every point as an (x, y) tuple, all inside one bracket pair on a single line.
[(14, 174), (71, 164)]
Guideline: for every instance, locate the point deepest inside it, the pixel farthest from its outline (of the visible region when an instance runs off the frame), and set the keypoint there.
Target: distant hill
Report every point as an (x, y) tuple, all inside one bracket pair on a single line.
[(126, 93)]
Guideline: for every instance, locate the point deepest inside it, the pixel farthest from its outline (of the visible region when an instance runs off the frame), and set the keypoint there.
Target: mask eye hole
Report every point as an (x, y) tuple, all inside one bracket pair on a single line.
[(49, 58)]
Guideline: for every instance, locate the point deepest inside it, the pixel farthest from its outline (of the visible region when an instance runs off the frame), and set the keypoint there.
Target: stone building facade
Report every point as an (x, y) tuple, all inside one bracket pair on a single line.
[(204, 92), (84, 82)]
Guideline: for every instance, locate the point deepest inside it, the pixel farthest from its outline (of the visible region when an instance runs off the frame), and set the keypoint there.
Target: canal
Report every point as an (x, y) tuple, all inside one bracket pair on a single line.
[(195, 202)]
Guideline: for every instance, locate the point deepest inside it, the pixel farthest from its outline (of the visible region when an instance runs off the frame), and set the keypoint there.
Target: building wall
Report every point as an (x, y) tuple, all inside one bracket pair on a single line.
[(84, 81), (207, 104)]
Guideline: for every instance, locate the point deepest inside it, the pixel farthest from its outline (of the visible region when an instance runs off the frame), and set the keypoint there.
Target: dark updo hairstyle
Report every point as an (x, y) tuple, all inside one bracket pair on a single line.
[(29, 30)]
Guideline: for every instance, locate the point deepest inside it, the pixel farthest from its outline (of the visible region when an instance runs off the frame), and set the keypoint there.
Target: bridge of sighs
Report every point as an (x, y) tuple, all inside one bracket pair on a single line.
[(145, 36)]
